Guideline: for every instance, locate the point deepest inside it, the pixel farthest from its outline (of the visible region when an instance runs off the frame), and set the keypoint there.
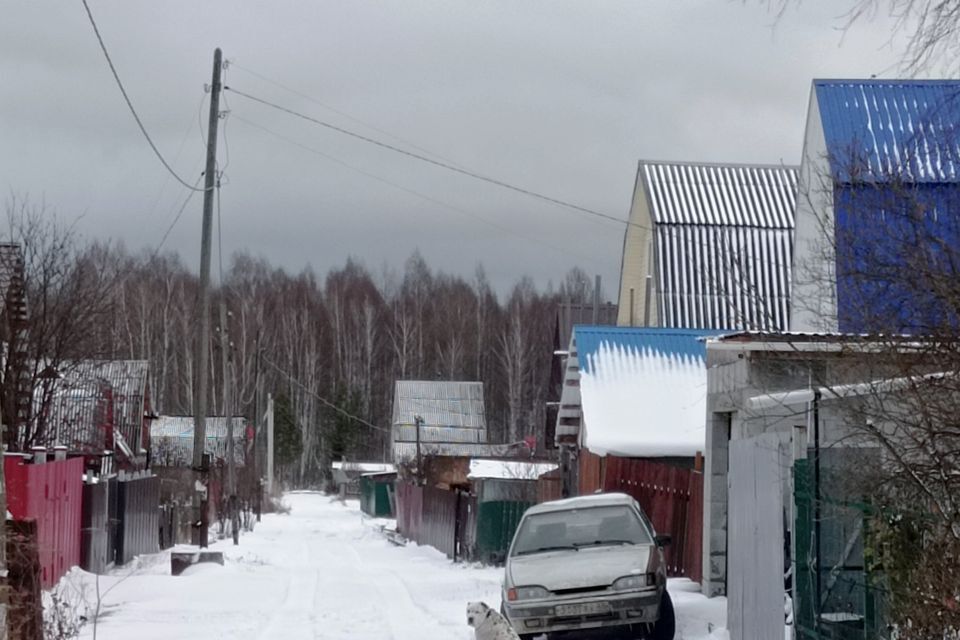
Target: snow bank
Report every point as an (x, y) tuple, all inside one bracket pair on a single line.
[(643, 402)]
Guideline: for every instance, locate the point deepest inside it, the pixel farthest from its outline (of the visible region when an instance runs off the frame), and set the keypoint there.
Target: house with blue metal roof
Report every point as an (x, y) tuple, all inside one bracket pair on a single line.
[(878, 211), (635, 391), (709, 245)]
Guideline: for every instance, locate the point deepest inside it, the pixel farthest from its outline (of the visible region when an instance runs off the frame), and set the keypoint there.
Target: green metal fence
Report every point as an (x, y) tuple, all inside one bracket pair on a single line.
[(377, 495), (835, 597)]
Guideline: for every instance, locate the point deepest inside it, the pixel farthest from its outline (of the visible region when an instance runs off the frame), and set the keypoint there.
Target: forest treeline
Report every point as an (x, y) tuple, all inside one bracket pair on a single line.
[(343, 337)]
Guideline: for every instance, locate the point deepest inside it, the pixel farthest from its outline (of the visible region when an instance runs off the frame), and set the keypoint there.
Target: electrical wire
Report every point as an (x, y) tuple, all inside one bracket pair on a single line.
[(176, 219), (321, 398), (339, 112), (133, 111), (423, 158), (423, 196)]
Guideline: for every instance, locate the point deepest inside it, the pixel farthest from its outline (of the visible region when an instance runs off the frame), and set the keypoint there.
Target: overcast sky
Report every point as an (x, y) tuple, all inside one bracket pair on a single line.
[(561, 97)]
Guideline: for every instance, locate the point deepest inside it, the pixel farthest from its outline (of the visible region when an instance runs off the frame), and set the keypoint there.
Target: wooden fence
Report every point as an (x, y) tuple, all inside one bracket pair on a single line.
[(672, 497)]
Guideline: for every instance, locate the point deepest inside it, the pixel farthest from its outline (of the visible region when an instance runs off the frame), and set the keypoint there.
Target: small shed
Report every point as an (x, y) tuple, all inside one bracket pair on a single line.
[(505, 489), (378, 493)]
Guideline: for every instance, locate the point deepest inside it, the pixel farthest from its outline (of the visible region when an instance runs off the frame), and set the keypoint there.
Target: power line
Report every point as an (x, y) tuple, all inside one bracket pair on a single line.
[(423, 196), (339, 112), (177, 218), (437, 163), (116, 76), (322, 399)]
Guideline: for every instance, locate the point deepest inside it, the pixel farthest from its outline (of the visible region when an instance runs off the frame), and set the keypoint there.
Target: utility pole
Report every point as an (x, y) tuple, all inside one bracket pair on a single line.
[(200, 462), (269, 445), (257, 429), (418, 421), (225, 357)]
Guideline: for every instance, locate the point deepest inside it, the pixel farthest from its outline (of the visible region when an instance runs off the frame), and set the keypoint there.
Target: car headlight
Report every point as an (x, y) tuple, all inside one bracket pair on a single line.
[(638, 581), (526, 593)]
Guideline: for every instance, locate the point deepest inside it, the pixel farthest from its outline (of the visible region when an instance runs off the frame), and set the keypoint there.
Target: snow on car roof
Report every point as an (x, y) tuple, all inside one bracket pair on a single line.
[(509, 469), (582, 502)]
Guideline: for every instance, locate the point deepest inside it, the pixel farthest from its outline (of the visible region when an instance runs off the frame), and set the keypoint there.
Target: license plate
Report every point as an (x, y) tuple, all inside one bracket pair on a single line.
[(585, 609)]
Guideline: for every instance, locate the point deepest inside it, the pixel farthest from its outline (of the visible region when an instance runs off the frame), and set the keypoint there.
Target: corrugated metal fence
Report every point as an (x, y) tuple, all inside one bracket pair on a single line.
[(443, 519), (96, 551), (138, 504), (672, 497), (50, 494)]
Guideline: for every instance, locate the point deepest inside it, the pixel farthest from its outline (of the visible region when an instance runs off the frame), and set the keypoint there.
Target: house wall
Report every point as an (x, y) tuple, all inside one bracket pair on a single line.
[(733, 378), (636, 261), (814, 299)]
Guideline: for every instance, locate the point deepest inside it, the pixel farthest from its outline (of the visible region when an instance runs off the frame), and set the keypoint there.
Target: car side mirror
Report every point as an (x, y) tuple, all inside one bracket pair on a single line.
[(663, 540)]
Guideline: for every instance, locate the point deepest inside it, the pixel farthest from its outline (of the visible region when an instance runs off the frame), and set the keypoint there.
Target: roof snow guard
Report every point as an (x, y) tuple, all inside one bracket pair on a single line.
[(722, 243), (643, 390), (880, 129)]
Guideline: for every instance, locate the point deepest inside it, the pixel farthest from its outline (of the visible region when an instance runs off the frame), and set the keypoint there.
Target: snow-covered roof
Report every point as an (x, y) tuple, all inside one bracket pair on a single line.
[(364, 467), (509, 469), (642, 390)]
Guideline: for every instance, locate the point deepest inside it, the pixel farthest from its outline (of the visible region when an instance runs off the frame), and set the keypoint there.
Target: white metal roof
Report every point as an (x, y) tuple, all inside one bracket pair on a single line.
[(722, 243)]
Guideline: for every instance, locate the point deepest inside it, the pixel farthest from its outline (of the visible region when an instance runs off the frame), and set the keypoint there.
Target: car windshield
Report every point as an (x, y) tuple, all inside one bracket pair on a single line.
[(578, 528)]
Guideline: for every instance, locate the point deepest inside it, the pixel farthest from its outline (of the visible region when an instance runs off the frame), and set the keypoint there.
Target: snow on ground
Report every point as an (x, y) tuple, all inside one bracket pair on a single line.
[(321, 571)]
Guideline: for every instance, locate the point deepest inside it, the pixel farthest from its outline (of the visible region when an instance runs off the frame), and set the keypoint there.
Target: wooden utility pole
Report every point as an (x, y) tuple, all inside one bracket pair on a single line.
[(200, 464)]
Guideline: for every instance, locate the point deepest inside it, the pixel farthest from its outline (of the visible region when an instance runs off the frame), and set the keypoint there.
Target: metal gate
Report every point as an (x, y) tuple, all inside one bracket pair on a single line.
[(755, 548)]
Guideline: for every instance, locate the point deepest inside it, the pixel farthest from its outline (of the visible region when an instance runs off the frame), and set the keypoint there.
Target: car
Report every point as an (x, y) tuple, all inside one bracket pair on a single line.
[(591, 565)]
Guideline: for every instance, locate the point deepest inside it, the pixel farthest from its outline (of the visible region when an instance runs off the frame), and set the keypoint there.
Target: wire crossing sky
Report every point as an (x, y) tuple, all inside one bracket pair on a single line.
[(560, 98)]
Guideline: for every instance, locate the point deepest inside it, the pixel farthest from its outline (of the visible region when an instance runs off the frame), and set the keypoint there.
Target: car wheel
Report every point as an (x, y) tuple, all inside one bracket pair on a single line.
[(666, 625)]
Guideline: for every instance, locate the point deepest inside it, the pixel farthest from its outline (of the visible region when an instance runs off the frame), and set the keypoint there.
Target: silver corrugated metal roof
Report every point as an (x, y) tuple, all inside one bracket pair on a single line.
[(721, 194), (440, 404), (83, 392), (171, 439), (408, 433), (722, 243)]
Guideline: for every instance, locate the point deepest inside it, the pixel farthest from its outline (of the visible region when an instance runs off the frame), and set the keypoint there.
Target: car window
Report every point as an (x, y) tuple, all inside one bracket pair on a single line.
[(578, 528)]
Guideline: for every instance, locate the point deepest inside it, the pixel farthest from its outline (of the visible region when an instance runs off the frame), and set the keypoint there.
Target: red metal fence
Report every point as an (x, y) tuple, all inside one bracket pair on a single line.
[(51, 494), (672, 498), (549, 486)]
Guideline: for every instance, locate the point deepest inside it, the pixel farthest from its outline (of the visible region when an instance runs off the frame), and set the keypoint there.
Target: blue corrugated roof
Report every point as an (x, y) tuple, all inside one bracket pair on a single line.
[(878, 129), (677, 342)]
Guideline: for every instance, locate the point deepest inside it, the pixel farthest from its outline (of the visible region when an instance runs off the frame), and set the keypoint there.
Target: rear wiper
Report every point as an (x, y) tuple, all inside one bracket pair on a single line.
[(543, 549)]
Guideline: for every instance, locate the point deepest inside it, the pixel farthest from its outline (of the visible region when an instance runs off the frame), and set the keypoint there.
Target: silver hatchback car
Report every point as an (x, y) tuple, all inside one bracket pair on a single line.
[(592, 563)]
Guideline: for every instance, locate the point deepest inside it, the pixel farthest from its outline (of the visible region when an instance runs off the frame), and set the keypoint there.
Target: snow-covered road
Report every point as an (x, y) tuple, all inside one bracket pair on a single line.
[(322, 571)]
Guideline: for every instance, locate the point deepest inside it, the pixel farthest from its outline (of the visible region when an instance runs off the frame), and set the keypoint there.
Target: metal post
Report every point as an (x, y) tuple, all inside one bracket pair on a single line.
[(418, 421), (200, 398), (646, 301), (596, 301), (269, 445), (816, 505)]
